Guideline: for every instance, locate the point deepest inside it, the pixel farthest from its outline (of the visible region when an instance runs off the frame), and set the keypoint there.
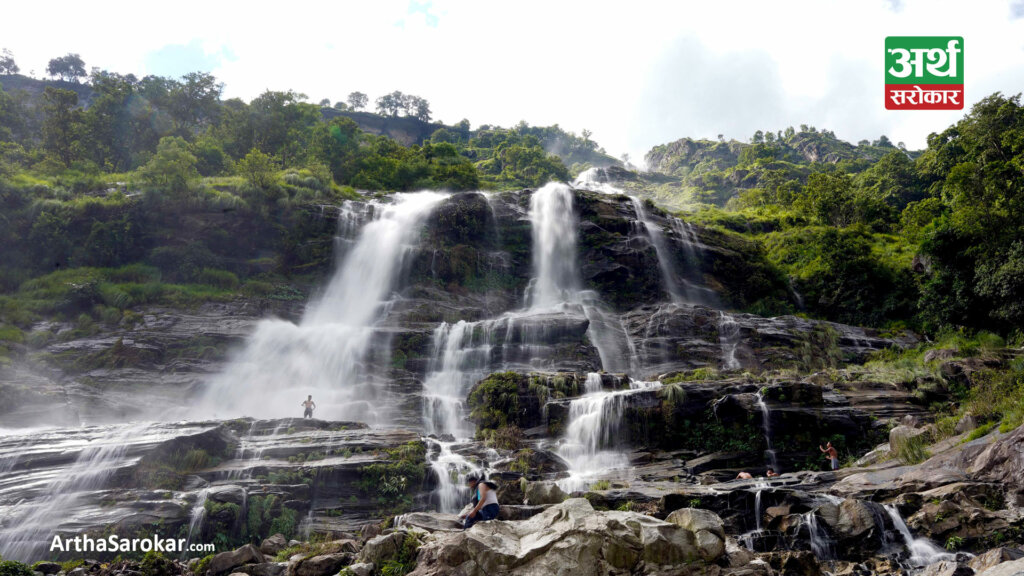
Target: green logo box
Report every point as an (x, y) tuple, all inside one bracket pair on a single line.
[(924, 60)]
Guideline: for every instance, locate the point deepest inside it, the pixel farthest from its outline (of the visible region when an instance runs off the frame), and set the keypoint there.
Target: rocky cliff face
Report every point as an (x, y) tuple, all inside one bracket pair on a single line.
[(698, 394)]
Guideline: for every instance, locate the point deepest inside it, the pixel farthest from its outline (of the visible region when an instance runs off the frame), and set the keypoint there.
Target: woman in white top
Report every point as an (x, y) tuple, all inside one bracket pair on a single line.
[(485, 501)]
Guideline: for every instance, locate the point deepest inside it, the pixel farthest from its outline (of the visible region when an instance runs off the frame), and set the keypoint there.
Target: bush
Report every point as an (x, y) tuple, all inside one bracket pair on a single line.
[(218, 278), (12, 568)]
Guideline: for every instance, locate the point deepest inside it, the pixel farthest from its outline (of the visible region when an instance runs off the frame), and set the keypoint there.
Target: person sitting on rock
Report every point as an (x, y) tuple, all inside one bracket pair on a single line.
[(486, 502), (309, 405), (744, 475), (771, 473), (832, 454)]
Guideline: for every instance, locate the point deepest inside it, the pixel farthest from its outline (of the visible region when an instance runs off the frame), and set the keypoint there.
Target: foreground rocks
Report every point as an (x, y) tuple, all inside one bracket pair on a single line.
[(570, 537)]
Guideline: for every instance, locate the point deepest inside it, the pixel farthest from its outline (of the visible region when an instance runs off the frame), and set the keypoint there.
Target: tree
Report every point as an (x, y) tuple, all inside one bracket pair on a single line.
[(336, 144), (357, 100), (258, 169), (420, 109), (325, 103), (7, 64), (70, 67), (194, 101), (390, 104), (109, 120), (172, 169), (63, 125)]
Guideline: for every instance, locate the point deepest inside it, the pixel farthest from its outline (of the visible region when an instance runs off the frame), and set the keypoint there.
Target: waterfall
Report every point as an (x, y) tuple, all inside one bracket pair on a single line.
[(922, 551), (665, 264), (553, 223), (451, 470), (459, 360), (197, 518), (592, 436), (593, 383), (329, 352), (729, 340), (29, 526), (821, 543), (766, 425)]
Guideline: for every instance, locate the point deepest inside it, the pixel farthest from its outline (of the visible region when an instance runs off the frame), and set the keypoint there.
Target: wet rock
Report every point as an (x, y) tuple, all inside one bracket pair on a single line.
[(796, 563), (47, 567), (538, 493), (271, 546), (225, 562), (946, 568)]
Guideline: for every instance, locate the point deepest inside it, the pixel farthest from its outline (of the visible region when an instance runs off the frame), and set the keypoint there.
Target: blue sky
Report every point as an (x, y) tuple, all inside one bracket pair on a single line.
[(636, 74)]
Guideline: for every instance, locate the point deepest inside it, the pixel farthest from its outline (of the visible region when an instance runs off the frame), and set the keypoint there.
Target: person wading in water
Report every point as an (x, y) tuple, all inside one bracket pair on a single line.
[(309, 405)]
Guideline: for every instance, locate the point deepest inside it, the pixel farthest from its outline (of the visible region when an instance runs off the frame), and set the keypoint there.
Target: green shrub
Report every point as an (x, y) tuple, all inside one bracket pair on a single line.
[(12, 568), (218, 278)]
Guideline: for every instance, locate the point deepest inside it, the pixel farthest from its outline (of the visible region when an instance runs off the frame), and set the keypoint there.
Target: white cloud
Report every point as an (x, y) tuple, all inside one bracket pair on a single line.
[(637, 74)]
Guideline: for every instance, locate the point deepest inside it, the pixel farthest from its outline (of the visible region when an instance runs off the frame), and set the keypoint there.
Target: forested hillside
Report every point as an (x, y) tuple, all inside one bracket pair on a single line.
[(871, 234), (120, 191)]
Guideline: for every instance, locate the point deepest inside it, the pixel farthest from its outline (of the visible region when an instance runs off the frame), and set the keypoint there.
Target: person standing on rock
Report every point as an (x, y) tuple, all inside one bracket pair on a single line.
[(309, 405), (831, 453), (486, 499)]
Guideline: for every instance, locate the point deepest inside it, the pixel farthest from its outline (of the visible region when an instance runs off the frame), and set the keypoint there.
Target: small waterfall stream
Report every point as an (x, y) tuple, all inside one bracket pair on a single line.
[(766, 425), (922, 550), (196, 519), (590, 445)]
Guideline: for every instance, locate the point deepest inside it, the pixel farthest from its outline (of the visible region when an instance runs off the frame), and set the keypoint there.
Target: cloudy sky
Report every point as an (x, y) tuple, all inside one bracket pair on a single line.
[(635, 73)]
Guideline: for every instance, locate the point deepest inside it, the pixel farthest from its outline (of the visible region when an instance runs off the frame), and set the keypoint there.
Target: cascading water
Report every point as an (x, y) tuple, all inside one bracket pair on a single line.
[(729, 339), (821, 543), (327, 353), (198, 516), (28, 527), (766, 425), (589, 446), (922, 550)]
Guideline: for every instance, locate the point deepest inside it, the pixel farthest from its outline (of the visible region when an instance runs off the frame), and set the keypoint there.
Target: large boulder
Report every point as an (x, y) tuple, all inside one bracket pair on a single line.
[(428, 521), (380, 549), (271, 546), (567, 538), (995, 556), (538, 493), (324, 564), (226, 562), (1002, 461), (1012, 568), (708, 530)]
